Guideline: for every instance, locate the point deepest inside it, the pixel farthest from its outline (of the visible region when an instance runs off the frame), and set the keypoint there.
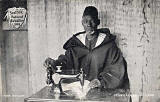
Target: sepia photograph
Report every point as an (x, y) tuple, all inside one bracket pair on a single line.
[(79, 51)]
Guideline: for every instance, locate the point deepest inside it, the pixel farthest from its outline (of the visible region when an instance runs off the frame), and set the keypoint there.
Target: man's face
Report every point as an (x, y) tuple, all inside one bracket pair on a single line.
[(89, 23)]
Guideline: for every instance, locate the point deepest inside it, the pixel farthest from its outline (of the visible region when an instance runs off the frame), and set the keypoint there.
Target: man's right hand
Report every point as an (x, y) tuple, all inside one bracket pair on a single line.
[(49, 62)]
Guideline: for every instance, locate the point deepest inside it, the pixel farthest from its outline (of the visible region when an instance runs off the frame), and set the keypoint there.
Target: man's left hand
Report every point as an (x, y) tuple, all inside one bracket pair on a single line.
[(94, 83)]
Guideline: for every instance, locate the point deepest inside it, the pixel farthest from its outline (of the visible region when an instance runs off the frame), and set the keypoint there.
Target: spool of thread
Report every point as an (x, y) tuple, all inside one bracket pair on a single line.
[(58, 69)]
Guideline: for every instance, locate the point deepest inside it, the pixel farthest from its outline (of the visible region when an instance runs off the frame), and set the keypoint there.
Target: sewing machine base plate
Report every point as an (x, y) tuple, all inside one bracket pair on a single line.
[(46, 95)]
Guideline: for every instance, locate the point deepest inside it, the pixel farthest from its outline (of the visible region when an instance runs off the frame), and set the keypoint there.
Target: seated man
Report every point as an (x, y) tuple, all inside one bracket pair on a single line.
[(96, 52)]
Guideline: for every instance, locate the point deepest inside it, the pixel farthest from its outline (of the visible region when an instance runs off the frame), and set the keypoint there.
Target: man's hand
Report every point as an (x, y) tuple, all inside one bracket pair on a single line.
[(49, 62), (50, 68), (94, 83)]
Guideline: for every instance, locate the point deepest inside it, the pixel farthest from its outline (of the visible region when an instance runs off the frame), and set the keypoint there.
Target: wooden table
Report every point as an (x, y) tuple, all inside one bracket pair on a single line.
[(46, 95)]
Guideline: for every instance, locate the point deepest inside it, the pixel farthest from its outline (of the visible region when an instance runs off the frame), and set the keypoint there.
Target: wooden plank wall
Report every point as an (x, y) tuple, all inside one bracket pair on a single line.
[(37, 38), (135, 22), (13, 62), (1, 44), (16, 68)]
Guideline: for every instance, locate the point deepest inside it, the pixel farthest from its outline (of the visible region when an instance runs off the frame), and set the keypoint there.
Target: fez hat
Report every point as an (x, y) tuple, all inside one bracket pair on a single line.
[(92, 11)]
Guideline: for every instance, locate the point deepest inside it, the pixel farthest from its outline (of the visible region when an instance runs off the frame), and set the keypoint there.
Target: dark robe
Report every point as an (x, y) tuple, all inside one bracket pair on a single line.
[(104, 62)]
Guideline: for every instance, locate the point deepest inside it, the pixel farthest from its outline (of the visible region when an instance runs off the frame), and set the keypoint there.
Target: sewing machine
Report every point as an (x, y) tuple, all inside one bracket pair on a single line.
[(54, 92), (56, 77)]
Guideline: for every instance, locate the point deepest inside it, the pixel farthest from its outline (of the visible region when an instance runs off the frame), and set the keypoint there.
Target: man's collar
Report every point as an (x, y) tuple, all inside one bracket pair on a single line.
[(100, 39)]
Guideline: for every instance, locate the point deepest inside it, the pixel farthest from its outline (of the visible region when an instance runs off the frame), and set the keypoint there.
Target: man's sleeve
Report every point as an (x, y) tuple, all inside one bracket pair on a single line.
[(112, 75)]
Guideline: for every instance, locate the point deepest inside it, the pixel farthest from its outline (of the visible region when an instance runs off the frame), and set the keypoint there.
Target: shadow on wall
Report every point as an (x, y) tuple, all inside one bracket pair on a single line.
[(121, 41), (107, 19)]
